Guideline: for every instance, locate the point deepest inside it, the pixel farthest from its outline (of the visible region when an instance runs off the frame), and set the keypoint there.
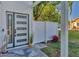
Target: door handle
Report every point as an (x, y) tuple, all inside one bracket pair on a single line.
[(15, 31)]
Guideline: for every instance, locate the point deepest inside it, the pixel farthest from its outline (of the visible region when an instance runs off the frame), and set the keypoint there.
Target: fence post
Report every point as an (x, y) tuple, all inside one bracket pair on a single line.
[(64, 29), (45, 32)]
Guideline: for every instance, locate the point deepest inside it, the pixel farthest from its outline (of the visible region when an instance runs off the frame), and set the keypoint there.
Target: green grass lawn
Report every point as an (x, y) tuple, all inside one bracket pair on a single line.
[(73, 50), (53, 49), (74, 35)]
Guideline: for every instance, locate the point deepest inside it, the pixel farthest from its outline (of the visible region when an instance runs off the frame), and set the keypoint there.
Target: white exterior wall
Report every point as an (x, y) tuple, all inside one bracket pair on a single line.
[(0, 17), (15, 6), (75, 23)]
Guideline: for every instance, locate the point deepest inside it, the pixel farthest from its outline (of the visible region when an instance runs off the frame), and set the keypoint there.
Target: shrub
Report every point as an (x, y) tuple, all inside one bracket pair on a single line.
[(55, 38)]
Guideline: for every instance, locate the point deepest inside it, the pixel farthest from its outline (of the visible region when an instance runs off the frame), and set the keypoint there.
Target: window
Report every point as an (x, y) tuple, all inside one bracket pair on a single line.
[(21, 16), (10, 17), (21, 28), (21, 40), (77, 24), (21, 22), (21, 34)]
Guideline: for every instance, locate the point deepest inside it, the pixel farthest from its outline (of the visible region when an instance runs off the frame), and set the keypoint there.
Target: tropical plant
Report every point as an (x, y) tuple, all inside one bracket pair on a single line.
[(47, 11)]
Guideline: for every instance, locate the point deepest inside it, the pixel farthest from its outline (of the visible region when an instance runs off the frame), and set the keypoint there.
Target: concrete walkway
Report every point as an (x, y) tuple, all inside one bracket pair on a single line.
[(25, 52), (40, 45)]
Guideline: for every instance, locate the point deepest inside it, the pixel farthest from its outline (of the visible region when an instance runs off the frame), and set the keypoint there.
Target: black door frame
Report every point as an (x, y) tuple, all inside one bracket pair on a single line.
[(14, 28)]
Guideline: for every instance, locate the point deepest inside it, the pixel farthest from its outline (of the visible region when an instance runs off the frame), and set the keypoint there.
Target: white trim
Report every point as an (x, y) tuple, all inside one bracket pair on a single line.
[(75, 24), (23, 46)]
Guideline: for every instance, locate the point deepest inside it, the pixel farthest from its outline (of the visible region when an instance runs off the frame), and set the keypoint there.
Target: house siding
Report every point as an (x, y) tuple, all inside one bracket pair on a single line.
[(15, 6), (74, 25)]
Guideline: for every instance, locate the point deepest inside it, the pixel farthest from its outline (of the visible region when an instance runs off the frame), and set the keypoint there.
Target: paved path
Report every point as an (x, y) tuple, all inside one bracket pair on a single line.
[(40, 45), (25, 52)]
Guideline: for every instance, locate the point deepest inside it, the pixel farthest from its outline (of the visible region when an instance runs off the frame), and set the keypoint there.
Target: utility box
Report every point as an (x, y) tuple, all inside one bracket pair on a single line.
[(16, 20)]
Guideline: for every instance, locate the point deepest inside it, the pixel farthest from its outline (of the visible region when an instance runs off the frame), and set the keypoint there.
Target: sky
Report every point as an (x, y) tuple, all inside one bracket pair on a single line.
[(75, 10)]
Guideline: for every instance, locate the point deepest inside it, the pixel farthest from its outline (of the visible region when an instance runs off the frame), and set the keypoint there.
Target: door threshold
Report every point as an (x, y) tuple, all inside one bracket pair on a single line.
[(19, 47)]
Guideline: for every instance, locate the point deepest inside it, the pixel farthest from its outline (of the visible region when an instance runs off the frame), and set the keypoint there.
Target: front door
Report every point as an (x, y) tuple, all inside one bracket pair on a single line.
[(18, 29), (21, 29)]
